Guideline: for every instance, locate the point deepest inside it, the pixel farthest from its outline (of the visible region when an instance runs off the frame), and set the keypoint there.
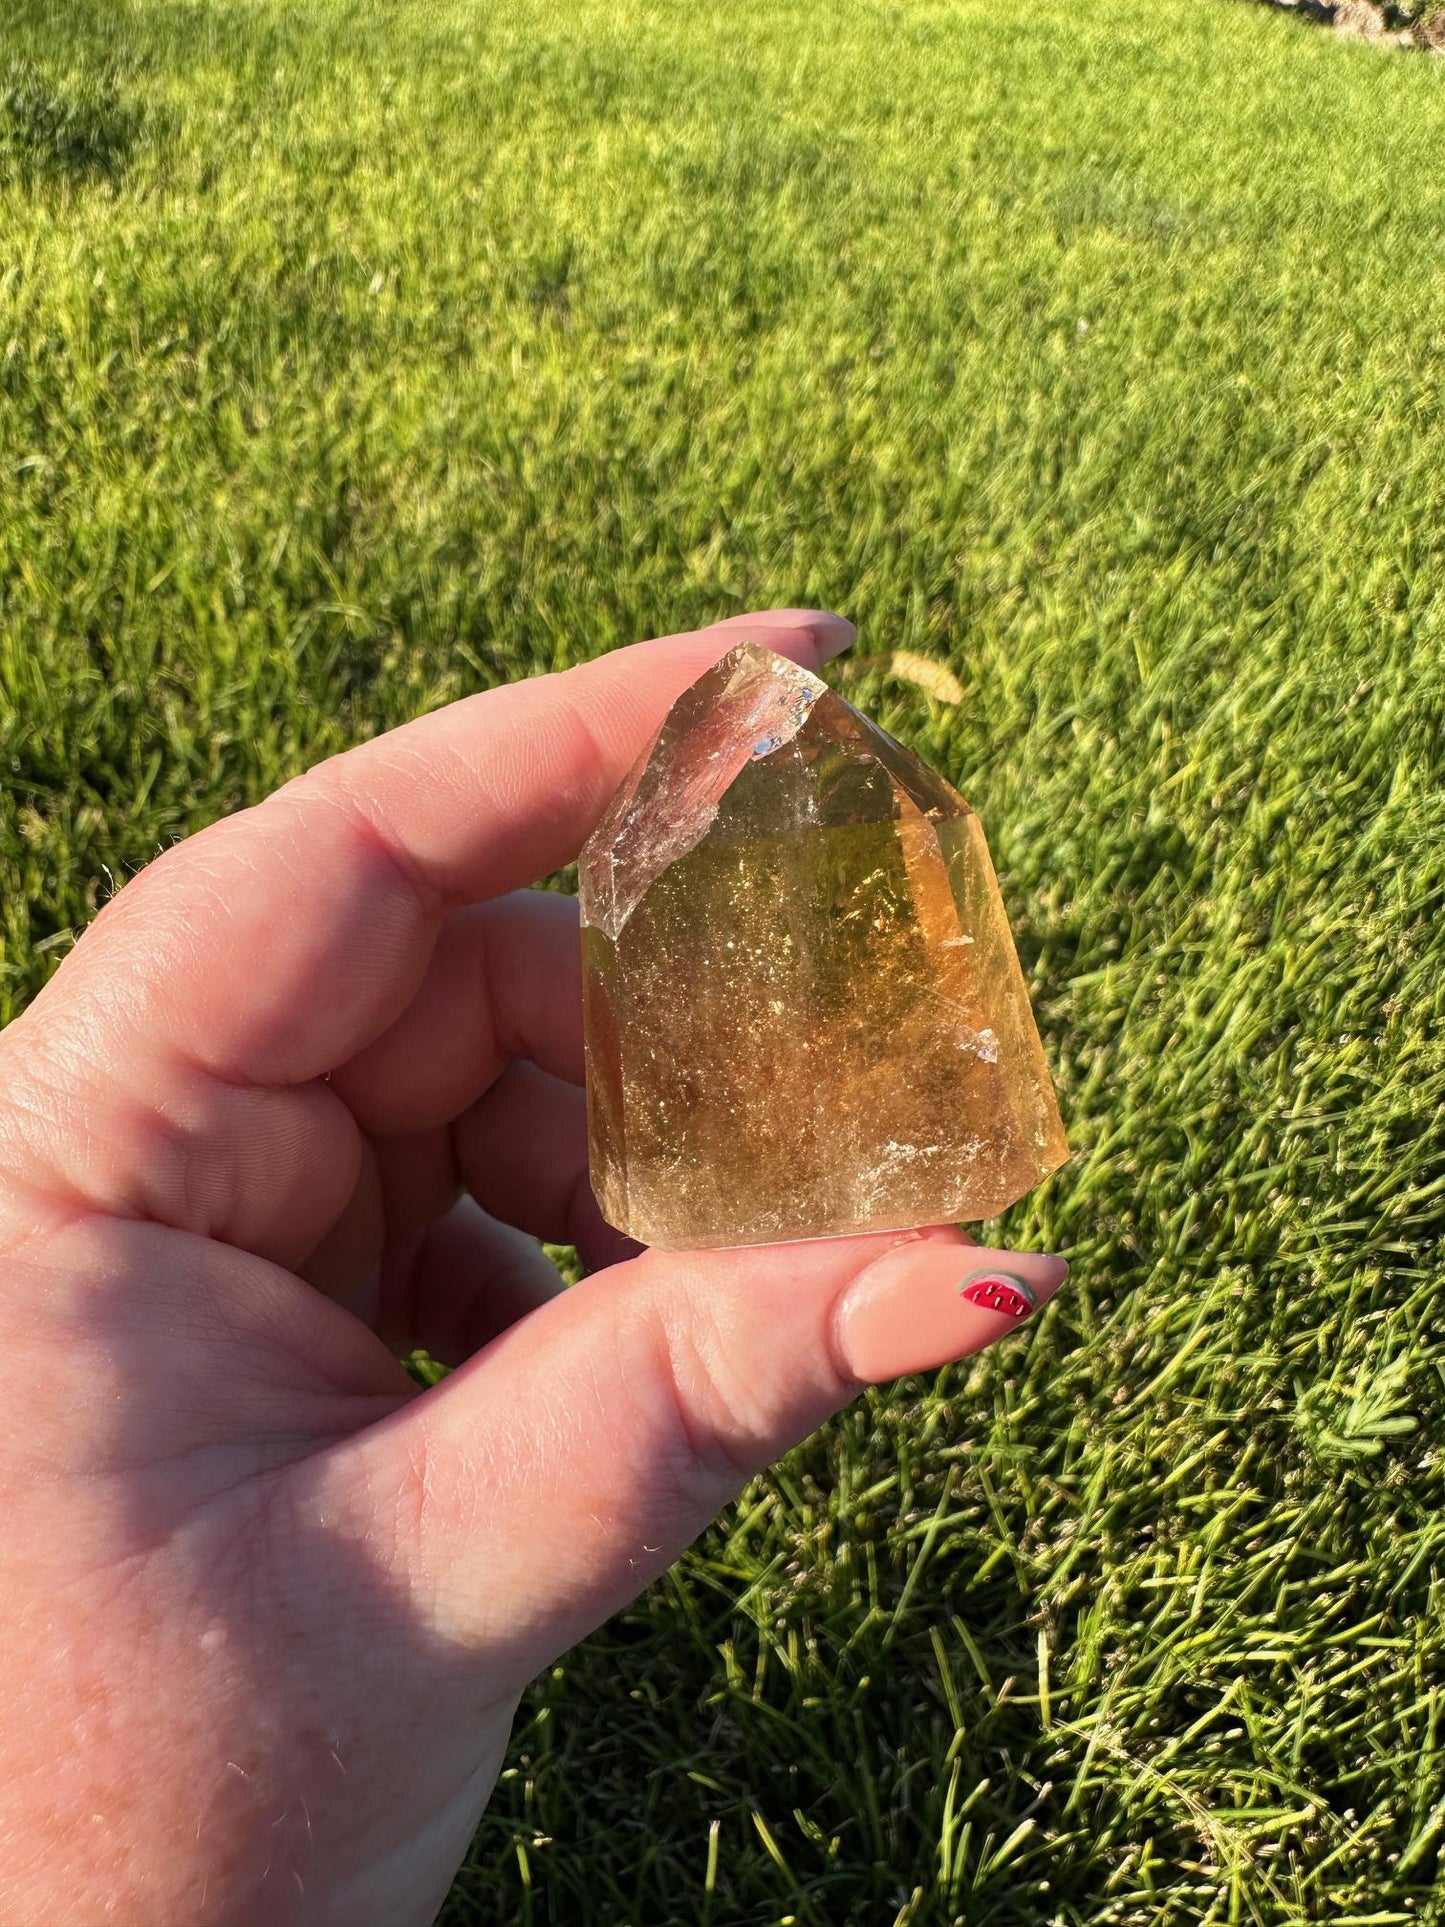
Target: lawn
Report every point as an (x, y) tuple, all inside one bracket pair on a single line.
[(354, 355)]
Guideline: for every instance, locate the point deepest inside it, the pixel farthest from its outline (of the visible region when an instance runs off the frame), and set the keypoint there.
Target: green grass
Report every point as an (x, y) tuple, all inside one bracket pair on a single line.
[(357, 354)]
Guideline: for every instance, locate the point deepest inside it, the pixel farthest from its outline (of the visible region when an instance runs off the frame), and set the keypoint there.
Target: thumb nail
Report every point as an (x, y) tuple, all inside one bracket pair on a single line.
[(930, 1300)]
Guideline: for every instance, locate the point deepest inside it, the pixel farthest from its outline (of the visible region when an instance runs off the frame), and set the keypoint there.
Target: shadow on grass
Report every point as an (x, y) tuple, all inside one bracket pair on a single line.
[(79, 129)]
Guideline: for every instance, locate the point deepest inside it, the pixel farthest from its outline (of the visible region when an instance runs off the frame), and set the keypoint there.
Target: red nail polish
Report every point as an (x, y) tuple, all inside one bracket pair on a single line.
[(999, 1291)]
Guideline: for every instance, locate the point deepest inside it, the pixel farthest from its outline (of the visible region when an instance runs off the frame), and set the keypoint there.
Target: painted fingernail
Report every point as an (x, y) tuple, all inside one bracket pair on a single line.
[(831, 634), (932, 1299), (1001, 1291)]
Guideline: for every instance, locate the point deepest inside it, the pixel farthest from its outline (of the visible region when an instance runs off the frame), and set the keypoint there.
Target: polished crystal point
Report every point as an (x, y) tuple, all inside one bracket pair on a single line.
[(805, 1015)]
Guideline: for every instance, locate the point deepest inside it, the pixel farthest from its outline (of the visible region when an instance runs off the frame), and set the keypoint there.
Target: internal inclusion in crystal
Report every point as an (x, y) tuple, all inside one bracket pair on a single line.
[(805, 1015)]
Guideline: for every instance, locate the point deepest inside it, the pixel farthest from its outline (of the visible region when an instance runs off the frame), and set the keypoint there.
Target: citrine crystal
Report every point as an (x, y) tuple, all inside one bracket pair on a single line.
[(805, 1015)]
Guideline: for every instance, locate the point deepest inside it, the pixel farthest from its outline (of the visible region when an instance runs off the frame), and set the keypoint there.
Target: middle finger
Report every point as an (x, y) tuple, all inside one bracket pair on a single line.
[(504, 982)]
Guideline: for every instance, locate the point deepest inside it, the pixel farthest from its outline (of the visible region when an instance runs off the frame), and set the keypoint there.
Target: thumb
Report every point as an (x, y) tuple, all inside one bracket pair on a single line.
[(558, 1471)]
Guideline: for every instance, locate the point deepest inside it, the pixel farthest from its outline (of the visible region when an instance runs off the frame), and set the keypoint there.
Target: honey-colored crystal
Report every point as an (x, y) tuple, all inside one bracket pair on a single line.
[(805, 1015)]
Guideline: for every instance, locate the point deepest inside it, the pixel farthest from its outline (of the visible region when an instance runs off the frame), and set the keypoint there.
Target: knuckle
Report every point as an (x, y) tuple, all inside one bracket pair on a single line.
[(714, 1431)]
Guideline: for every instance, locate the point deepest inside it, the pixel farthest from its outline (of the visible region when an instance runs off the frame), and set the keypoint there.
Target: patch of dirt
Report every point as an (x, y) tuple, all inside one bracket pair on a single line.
[(1360, 21)]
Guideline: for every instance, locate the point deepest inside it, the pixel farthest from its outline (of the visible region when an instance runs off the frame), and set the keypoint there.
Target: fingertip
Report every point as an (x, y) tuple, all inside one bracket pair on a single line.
[(827, 634), (1043, 1272), (931, 1300)]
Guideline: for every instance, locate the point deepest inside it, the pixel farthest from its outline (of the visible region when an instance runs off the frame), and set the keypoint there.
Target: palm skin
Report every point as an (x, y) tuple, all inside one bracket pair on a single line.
[(305, 1096)]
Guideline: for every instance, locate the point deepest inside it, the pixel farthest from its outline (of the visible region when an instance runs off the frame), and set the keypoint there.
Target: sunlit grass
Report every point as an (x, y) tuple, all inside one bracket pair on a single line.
[(355, 355)]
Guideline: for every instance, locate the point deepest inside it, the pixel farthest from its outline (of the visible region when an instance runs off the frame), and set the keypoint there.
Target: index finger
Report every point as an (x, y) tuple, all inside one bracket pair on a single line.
[(272, 946)]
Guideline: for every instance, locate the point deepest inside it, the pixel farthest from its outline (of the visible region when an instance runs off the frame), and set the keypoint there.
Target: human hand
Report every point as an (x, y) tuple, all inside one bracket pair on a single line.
[(303, 1098)]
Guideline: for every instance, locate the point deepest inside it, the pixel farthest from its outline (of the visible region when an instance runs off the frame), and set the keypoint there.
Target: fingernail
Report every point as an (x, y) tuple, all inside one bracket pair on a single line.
[(833, 634), (830, 634), (930, 1300), (1003, 1291)]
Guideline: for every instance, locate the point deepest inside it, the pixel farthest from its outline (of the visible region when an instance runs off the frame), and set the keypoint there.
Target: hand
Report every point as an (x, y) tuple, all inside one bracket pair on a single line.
[(303, 1098)]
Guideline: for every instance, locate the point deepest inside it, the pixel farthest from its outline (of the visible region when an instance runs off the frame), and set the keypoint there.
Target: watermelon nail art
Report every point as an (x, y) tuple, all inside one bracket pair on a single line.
[(999, 1291)]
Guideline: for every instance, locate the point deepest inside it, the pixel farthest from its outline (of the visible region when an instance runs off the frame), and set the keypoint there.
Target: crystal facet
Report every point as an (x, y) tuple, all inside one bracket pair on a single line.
[(805, 1015)]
